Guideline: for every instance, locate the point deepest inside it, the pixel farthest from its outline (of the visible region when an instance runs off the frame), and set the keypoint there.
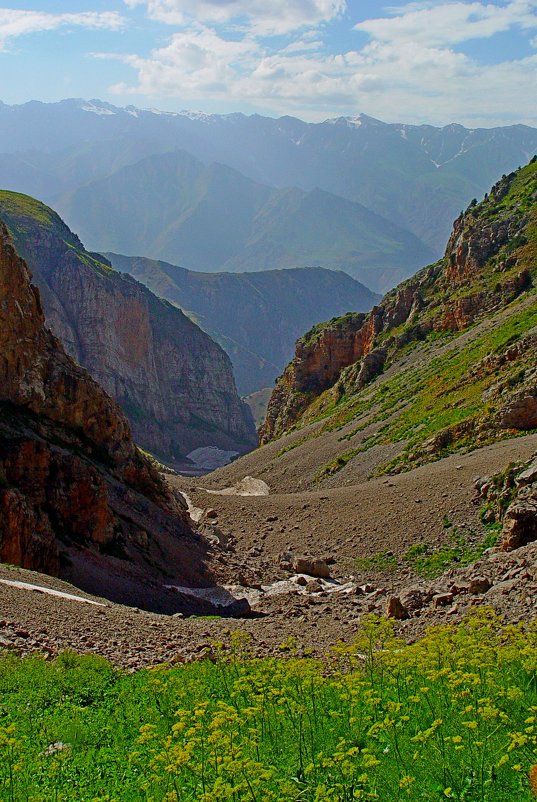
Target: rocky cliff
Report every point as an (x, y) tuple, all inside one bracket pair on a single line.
[(77, 498), (488, 263), (173, 382)]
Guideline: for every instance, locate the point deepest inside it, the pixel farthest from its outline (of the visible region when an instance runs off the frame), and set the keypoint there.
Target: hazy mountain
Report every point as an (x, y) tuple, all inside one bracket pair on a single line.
[(170, 206), (256, 317), (417, 176)]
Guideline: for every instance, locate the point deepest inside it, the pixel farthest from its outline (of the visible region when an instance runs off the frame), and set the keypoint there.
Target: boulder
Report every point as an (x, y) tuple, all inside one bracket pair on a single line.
[(442, 599), (519, 524), (395, 609), (528, 476), (479, 584), (416, 597), (520, 412), (312, 566)]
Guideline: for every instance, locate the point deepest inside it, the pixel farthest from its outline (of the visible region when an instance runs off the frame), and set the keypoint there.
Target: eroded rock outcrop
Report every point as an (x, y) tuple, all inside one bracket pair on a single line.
[(173, 382), (520, 518), (510, 497), (77, 498)]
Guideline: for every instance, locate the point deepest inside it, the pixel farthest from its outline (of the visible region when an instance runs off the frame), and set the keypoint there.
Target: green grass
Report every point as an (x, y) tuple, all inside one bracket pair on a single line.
[(443, 393), (459, 551), (18, 205), (382, 562), (451, 717), (336, 465)]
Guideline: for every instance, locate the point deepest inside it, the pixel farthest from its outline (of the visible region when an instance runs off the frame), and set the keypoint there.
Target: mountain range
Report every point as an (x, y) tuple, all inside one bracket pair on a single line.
[(171, 207), (396, 453), (415, 178)]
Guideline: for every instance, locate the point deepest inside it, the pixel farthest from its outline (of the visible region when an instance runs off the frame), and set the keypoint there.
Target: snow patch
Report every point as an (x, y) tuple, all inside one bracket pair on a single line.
[(209, 458), (50, 592), (197, 115), (100, 110), (246, 487), (226, 595), (194, 512)]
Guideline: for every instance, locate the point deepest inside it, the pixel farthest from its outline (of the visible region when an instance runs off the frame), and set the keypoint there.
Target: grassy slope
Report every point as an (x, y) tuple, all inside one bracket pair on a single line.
[(445, 393), (450, 717), (23, 215)]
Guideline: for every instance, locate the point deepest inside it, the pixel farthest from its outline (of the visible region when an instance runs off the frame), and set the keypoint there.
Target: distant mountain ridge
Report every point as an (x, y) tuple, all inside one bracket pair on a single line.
[(172, 207), (173, 382), (418, 177), (256, 317)]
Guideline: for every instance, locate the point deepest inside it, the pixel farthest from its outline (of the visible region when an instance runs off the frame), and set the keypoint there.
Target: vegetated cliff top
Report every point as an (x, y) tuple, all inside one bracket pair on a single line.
[(447, 360), (174, 383)]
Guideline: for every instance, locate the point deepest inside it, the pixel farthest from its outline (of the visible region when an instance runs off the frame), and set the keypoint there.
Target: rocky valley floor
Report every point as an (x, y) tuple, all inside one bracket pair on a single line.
[(362, 531)]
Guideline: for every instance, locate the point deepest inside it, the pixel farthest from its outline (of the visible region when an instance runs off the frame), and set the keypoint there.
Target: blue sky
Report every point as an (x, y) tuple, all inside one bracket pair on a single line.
[(433, 61)]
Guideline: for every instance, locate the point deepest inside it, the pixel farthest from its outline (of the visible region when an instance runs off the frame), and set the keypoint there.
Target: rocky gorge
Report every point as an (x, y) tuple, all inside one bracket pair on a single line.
[(489, 262)]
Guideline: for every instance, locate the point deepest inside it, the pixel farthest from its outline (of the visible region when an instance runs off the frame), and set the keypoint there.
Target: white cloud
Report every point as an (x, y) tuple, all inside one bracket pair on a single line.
[(449, 23), (409, 70), (15, 23), (195, 62), (262, 16)]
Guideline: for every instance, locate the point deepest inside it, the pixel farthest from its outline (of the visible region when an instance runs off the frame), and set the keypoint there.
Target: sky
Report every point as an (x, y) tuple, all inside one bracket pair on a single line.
[(474, 62)]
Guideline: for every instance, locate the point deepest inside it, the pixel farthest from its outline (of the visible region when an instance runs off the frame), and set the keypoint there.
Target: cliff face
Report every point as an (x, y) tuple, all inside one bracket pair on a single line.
[(483, 270), (256, 317), (173, 382), (77, 498)]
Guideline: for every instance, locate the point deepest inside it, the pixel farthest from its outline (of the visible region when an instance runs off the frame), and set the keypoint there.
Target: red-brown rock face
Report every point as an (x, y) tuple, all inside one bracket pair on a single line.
[(72, 482), (320, 359)]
